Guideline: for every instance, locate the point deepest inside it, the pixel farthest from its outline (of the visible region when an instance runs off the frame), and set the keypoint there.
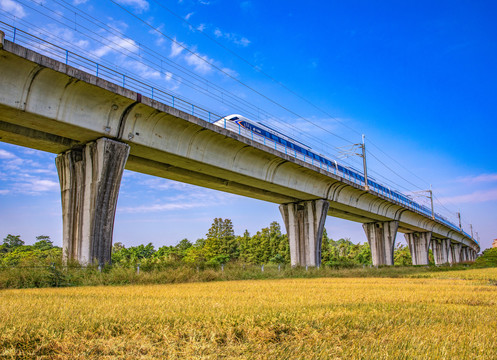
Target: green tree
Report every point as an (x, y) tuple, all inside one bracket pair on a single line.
[(402, 255), (184, 245), (487, 258), (12, 241), (117, 246), (221, 244), (43, 243)]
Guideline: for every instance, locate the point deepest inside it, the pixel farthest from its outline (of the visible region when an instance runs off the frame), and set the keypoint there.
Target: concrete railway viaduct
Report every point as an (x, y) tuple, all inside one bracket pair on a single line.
[(98, 129)]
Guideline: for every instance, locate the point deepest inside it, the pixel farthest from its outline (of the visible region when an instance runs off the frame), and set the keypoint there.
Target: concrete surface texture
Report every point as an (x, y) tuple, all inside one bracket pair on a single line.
[(47, 105), (304, 223), (419, 245)]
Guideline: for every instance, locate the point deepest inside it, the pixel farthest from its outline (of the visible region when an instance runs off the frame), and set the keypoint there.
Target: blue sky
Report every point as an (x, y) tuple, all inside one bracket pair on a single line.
[(417, 78)]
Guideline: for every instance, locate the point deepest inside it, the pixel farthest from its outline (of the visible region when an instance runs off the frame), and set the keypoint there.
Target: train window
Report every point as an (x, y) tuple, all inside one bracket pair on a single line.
[(234, 118)]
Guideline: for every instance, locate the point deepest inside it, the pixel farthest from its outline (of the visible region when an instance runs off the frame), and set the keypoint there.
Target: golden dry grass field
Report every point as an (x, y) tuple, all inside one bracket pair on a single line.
[(326, 318)]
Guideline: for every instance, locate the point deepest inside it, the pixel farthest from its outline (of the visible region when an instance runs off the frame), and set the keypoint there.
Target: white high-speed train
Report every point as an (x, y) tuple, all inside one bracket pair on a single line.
[(270, 137)]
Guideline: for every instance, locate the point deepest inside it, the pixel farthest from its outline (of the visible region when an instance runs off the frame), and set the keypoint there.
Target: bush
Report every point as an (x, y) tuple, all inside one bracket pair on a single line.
[(488, 258)]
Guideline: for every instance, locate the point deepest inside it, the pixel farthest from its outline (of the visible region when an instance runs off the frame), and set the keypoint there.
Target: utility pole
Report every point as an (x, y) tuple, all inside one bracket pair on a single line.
[(430, 192), (432, 208), (460, 224), (471, 227), (351, 150), (363, 147)]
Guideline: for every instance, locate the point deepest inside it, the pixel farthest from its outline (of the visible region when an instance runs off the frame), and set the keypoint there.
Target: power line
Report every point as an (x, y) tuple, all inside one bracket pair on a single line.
[(197, 88), (228, 74), (256, 68)]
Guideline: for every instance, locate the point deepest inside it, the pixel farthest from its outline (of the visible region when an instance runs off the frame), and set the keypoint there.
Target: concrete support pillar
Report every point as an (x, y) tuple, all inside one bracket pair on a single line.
[(456, 253), (381, 239), (419, 244), (89, 181), (449, 251), (440, 250), (464, 254), (304, 222)]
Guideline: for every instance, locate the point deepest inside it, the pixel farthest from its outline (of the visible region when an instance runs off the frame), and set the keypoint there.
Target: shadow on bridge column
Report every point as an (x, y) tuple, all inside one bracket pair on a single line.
[(381, 239), (441, 251), (419, 244), (89, 181), (456, 253), (463, 254), (304, 222)]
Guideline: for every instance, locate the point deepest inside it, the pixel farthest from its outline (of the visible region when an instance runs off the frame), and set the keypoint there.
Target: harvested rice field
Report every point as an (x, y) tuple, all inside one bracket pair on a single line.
[(324, 318)]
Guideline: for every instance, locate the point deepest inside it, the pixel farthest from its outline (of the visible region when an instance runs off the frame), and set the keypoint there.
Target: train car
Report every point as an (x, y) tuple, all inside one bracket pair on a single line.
[(270, 137)]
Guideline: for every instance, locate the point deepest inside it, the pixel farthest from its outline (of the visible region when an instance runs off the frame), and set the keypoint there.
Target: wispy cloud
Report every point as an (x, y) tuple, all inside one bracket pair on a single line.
[(478, 179), (200, 63), (176, 48), (4, 154), (22, 175), (475, 197), (157, 32), (116, 44), (13, 8), (138, 5), (64, 33), (175, 196), (232, 37)]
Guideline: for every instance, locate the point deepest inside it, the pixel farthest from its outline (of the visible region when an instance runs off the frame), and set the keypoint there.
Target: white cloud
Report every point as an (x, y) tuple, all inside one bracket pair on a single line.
[(201, 27), (232, 37), (199, 62), (64, 33), (479, 178), (116, 44), (232, 73), (176, 48), (189, 15), (479, 196), (138, 5), (158, 33), (141, 69), (4, 192), (79, 2), (42, 185), (4, 154), (159, 207), (13, 8)]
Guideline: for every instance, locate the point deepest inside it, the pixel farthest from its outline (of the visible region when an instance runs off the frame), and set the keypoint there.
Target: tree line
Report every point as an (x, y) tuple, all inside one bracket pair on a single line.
[(220, 246)]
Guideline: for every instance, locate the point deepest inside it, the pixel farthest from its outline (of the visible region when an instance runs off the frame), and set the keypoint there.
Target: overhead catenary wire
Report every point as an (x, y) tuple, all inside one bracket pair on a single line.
[(228, 74), (130, 54), (299, 117)]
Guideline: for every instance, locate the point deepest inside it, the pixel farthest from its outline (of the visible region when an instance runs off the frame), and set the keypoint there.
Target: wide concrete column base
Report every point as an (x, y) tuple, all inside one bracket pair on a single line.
[(381, 238), (419, 244), (441, 251), (304, 222), (89, 182)]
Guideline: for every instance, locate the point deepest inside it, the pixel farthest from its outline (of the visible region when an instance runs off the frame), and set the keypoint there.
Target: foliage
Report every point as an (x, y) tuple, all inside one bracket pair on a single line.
[(487, 258), (402, 255), (13, 252), (12, 241)]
